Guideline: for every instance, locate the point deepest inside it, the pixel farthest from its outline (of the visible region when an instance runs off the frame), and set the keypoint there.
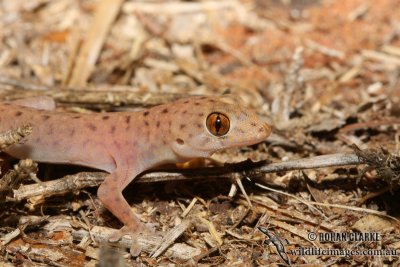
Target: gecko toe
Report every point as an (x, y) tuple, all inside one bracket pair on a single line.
[(119, 234), (116, 236), (142, 230), (135, 249)]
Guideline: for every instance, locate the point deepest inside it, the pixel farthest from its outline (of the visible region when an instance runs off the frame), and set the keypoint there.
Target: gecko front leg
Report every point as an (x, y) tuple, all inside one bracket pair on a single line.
[(110, 194)]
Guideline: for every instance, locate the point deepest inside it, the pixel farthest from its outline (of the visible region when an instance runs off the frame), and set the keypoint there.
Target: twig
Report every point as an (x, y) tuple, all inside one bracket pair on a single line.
[(24, 169), (101, 235), (173, 8), (203, 255), (90, 179), (95, 99), (29, 85), (393, 50), (331, 160), (293, 88), (292, 196), (171, 237), (373, 195), (242, 217), (324, 49), (359, 12), (241, 187), (106, 12), (309, 203), (369, 124), (5, 80), (382, 57), (230, 50)]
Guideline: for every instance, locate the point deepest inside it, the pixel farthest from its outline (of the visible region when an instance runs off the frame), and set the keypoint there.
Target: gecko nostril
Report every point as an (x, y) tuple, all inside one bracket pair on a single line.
[(180, 141), (265, 129)]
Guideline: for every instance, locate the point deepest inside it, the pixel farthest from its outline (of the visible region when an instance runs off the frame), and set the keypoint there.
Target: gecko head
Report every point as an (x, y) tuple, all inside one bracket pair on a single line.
[(209, 124)]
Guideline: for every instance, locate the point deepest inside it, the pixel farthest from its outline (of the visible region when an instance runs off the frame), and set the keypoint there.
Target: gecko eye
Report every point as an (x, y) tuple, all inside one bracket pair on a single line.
[(217, 124)]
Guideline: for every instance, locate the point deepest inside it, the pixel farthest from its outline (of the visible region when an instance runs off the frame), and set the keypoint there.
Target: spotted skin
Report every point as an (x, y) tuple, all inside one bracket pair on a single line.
[(125, 144)]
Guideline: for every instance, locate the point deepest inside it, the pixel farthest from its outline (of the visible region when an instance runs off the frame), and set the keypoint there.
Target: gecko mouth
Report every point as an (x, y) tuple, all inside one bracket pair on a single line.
[(261, 134), (247, 143)]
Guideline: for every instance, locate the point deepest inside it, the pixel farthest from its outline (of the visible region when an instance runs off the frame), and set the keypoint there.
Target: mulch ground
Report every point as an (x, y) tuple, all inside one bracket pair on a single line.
[(324, 74)]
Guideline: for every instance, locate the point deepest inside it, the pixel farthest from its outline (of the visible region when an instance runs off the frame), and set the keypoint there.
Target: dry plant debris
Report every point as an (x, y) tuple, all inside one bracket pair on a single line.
[(14, 136), (324, 73)]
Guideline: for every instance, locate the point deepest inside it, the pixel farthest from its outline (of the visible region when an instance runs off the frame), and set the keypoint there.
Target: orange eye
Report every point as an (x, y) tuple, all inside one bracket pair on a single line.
[(218, 124)]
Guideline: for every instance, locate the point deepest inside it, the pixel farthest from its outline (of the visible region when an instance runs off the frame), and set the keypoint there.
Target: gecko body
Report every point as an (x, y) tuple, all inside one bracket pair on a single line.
[(125, 144)]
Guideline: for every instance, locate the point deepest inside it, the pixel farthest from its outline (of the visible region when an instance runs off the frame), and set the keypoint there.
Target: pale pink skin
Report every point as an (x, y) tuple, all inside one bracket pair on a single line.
[(125, 144)]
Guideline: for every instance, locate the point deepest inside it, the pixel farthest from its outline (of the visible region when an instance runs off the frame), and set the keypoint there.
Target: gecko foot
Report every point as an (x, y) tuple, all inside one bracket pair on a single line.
[(134, 232)]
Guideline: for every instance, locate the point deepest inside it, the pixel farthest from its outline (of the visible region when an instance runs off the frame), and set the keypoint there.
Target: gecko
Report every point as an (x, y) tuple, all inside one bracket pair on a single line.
[(125, 144)]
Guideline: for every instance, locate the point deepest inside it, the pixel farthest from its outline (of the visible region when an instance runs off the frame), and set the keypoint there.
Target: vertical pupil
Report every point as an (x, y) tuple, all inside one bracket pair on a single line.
[(218, 124)]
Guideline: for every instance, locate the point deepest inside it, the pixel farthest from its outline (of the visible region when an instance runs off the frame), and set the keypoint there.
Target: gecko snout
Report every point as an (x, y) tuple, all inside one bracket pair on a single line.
[(264, 131)]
